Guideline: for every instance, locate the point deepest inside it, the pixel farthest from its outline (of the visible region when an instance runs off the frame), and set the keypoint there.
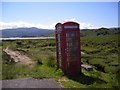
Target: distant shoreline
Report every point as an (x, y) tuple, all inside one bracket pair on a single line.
[(19, 38)]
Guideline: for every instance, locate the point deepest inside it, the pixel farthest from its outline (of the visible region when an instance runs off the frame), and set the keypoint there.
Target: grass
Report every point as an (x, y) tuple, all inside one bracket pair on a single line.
[(45, 66), (44, 71), (93, 79), (0, 62), (13, 71), (101, 52)]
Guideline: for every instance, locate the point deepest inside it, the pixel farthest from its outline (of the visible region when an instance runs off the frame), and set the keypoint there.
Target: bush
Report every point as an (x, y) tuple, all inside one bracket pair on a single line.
[(39, 61), (50, 61), (8, 72), (112, 69), (99, 67), (6, 58)]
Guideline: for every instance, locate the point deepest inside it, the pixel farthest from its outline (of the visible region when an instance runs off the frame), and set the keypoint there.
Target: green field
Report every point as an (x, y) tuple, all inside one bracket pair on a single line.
[(101, 52)]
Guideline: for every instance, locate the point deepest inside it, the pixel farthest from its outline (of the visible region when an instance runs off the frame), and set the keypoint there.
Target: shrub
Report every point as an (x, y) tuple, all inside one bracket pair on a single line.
[(8, 72), (19, 43), (39, 61), (99, 67), (112, 69), (6, 58), (50, 61)]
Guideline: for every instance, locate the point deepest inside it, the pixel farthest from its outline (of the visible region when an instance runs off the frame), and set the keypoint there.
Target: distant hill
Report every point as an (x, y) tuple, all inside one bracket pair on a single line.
[(95, 32), (36, 32), (99, 32), (25, 32)]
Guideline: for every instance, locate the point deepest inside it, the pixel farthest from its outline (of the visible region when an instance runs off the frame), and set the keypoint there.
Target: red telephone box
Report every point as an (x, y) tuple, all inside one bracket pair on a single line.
[(68, 50)]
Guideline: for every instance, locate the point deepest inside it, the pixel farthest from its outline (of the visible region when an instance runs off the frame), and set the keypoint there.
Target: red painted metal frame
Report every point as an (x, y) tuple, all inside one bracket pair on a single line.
[(74, 66)]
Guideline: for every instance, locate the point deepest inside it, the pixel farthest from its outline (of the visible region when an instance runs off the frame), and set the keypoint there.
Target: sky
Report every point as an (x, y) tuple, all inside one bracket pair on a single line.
[(46, 14)]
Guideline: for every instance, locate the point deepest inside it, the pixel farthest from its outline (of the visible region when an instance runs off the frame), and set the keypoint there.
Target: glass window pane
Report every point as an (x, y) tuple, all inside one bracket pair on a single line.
[(72, 44)]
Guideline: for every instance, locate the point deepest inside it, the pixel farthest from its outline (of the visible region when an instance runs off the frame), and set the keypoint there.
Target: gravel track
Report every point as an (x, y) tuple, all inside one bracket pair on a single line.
[(19, 58)]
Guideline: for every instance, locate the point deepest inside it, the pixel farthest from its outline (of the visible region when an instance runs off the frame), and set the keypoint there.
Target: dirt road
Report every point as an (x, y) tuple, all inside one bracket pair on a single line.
[(19, 57)]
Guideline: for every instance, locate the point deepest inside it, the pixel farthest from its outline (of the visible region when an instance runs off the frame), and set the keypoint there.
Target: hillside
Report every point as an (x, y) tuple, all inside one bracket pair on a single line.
[(99, 32), (25, 32), (94, 32), (100, 49)]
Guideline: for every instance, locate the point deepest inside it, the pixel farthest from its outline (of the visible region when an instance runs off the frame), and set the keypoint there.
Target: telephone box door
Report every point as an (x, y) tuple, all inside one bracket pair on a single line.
[(72, 52)]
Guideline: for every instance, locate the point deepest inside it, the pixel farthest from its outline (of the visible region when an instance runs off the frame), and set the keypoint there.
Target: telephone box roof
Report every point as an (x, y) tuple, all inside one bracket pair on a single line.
[(66, 22)]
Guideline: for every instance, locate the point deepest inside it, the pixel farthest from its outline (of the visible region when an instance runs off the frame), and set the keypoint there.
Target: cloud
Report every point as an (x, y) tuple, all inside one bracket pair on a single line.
[(8, 25), (82, 24), (72, 19), (4, 25), (86, 26)]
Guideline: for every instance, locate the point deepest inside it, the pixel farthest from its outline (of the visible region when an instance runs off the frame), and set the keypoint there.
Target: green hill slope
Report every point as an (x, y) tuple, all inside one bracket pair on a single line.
[(101, 52)]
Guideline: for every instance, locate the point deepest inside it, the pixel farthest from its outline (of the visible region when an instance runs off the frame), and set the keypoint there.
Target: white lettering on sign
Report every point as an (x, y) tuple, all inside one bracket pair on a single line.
[(70, 26)]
